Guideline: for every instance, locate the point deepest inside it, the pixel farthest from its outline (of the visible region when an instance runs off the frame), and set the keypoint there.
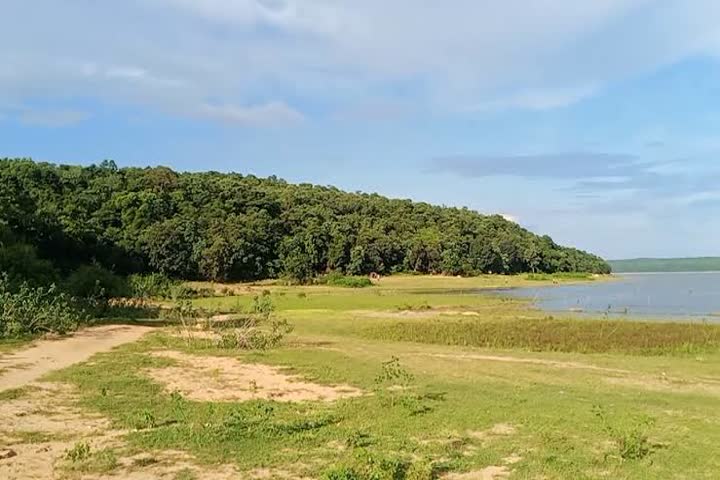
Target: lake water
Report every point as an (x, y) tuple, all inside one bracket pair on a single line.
[(640, 294)]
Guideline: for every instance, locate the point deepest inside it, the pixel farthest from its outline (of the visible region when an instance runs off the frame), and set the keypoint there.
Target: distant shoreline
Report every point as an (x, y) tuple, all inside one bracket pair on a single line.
[(666, 265)]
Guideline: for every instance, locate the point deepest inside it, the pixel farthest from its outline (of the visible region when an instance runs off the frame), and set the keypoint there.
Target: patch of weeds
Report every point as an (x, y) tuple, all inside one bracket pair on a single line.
[(359, 439), (179, 406), (262, 421), (632, 440), (146, 420), (88, 461), (366, 465), (394, 387), (144, 462), (16, 393), (79, 452), (185, 474), (34, 437)]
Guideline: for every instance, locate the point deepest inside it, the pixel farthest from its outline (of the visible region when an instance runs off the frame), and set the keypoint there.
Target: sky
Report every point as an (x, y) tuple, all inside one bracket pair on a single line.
[(597, 123)]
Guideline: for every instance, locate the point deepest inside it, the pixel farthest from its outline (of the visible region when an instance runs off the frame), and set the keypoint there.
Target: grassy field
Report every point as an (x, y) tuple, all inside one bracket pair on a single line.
[(447, 383)]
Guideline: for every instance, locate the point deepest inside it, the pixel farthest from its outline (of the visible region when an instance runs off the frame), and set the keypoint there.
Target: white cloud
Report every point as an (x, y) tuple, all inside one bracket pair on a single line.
[(537, 99), (177, 55), (510, 218), (52, 118), (275, 113)]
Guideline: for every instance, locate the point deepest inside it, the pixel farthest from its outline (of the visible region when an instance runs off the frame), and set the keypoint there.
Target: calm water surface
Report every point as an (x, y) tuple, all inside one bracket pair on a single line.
[(641, 294)]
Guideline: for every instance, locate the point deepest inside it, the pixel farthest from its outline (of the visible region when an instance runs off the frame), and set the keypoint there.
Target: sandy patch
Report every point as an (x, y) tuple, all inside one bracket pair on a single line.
[(224, 379), (28, 365), (42, 425), (512, 459), (488, 473), (46, 411), (499, 429)]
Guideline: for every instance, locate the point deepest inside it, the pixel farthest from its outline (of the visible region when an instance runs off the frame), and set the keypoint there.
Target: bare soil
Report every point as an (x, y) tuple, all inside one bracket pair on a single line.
[(26, 366), (224, 379)]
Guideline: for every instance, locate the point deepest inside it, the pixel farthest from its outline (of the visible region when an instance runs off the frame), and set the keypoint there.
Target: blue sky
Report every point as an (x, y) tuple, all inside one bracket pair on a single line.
[(595, 122)]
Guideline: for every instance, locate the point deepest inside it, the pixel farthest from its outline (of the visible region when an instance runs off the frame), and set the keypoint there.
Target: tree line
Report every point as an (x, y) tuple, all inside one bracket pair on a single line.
[(229, 227)]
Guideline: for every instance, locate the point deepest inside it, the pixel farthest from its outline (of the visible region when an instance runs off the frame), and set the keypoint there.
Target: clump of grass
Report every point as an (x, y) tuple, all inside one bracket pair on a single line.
[(79, 452), (558, 335), (81, 458), (146, 419)]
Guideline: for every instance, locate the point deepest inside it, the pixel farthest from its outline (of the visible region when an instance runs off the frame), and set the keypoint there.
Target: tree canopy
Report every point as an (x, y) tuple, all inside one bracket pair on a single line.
[(228, 226)]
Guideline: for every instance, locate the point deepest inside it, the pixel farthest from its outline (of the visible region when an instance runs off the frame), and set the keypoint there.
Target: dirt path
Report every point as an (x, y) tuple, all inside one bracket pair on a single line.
[(27, 366), (530, 361)]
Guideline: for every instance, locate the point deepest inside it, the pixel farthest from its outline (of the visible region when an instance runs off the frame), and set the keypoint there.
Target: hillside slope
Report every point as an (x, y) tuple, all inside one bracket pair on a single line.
[(223, 227)]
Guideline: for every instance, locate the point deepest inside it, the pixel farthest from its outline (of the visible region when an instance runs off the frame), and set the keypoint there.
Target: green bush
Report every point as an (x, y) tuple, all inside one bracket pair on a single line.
[(31, 311), (96, 282), (336, 279)]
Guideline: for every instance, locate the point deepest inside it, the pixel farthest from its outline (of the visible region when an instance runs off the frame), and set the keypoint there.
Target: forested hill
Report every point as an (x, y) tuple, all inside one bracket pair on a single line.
[(640, 265), (233, 227)]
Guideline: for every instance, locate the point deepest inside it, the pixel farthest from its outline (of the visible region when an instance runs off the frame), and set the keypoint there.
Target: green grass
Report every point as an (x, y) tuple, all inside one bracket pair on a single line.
[(585, 399)]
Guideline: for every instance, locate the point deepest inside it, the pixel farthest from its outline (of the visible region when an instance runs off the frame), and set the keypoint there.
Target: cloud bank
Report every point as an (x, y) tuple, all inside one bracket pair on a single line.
[(259, 62)]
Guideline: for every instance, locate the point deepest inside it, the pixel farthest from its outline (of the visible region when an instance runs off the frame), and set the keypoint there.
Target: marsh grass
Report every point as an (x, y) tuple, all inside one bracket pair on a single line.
[(557, 335)]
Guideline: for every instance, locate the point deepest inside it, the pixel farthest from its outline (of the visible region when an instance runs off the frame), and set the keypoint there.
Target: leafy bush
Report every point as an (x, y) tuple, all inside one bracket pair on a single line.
[(95, 282), (336, 279), (30, 311)]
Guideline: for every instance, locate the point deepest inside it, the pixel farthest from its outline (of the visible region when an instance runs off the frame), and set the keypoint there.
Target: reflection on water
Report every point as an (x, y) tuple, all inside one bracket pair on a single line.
[(647, 294)]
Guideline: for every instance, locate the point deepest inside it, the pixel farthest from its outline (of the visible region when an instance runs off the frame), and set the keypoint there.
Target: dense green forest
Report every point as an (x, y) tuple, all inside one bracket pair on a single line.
[(225, 226), (639, 265)]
